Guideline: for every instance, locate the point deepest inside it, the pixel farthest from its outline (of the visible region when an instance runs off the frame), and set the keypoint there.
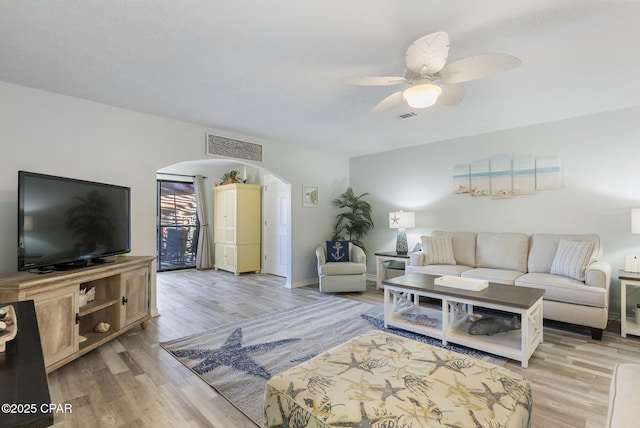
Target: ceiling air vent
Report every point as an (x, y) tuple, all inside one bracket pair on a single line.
[(406, 115)]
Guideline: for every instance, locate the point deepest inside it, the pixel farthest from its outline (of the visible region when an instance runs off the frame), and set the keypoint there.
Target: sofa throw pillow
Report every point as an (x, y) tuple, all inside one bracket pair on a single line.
[(337, 251), (571, 259), (438, 250)]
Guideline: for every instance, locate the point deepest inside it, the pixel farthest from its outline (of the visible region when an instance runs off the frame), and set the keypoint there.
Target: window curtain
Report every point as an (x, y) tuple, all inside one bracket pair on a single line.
[(203, 255)]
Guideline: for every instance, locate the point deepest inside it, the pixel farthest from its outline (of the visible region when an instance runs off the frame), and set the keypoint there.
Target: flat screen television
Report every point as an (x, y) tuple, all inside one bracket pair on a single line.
[(65, 223)]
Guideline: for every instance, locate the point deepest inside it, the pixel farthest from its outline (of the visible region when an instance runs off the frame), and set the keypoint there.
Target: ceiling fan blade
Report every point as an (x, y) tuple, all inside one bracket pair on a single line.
[(452, 94), (477, 67), (428, 54), (389, 101), (375, 80)]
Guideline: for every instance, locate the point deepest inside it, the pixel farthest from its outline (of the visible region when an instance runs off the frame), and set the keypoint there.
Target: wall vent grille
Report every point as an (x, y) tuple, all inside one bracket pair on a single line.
[(232, 148)]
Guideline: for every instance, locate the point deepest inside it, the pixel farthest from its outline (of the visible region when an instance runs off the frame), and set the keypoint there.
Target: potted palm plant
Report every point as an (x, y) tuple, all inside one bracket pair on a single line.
[(354, 222)]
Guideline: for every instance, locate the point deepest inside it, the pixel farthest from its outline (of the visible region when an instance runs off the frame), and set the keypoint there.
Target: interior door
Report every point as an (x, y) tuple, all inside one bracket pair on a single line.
[(277, 209)]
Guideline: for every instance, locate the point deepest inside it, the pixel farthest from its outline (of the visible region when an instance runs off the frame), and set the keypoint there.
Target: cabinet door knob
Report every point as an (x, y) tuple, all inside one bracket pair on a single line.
[(124, 300), (78, 318)]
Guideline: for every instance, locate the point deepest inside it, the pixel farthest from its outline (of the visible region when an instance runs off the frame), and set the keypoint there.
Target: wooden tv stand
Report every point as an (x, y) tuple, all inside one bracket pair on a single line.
[(67, 330)]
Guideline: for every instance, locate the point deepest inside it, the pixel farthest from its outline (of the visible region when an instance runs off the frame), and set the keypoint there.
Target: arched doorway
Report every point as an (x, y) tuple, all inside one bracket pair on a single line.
[(276, 206)]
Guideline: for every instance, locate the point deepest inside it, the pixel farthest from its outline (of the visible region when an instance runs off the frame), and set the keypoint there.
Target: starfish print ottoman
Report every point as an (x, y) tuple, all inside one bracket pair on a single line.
[(383, 380)]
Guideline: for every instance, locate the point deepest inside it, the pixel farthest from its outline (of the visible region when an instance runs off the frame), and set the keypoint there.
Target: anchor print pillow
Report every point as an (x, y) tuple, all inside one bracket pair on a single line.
[(337, 251)]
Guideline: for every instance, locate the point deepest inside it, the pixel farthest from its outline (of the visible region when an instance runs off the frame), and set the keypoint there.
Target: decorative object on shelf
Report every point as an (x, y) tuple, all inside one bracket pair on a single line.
[(493, 325), (8, 326), (87, 296), (463, 283), (309, 196), (244, 174), (421, 319), (229, 178), (102, 327), (355, 221), (402, 220)]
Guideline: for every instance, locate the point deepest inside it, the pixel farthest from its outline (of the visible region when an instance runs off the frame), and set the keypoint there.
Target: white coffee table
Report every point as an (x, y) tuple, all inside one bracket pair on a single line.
[(448, 318)]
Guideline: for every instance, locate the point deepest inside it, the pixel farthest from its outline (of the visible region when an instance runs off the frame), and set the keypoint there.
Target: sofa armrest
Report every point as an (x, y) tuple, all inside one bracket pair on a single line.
[(321, 255), (357, 254), (416, 259), (598, 274)]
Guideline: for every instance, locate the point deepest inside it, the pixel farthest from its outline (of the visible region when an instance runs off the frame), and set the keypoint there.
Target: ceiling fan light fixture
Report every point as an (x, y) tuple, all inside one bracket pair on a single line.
[(423, 95)]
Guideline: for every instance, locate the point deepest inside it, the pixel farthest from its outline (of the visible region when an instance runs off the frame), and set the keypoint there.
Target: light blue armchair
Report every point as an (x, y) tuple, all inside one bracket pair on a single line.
[(339, 277)]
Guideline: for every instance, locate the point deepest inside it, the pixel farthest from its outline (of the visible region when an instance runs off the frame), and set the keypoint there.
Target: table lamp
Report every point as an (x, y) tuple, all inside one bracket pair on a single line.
[(632, 263), (402, 220)]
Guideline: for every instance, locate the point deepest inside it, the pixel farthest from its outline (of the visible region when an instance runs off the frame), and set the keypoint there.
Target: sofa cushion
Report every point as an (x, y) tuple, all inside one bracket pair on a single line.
[(337, 251), (497, 276), (464, 246), (543, 247), (571, 259), (342, 268), (438, 250), (567, 290), (502, 251), (440, 270)]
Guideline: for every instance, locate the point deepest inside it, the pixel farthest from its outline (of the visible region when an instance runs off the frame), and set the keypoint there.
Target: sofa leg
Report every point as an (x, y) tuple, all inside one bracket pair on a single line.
[(596, 333)]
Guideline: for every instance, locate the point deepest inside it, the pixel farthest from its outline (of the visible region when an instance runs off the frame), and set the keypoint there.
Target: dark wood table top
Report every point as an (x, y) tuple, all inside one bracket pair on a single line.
[(498, 294), (392, 254), (23, 378), (623, 274)]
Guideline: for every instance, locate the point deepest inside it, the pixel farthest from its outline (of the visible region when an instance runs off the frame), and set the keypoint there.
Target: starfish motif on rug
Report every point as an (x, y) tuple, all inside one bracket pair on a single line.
[(232, 354)]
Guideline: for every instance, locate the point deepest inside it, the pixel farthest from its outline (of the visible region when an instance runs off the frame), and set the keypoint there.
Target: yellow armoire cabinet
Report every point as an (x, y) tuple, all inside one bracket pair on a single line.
[(237, 209)]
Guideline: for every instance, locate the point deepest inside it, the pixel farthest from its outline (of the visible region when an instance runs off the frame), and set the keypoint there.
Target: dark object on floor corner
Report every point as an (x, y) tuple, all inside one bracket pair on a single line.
[(23, 376)]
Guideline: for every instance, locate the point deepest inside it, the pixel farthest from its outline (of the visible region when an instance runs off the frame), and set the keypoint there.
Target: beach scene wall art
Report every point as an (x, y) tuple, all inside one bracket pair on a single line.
[(480, 179), (524, 175), (547, 173), (503, 176), (501, 179)]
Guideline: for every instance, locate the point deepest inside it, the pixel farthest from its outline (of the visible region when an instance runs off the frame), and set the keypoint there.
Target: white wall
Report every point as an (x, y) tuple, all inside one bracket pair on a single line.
[(53, 134), (600, 174)]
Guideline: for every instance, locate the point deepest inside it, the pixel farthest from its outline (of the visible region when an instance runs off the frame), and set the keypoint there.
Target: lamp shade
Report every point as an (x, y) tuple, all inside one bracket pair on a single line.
[(422, 96), (402, 219), (635, 220)]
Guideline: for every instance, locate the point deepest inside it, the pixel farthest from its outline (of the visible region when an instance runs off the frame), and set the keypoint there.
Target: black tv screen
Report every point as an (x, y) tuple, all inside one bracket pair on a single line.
[(66, 223)]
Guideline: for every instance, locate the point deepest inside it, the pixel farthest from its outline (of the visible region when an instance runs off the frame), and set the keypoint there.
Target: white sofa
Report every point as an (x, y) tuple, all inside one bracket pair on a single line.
[(565, 266), (624, 396)]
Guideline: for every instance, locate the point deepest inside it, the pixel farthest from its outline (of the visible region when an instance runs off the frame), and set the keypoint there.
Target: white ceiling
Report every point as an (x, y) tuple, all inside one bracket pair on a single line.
[(274, 70)]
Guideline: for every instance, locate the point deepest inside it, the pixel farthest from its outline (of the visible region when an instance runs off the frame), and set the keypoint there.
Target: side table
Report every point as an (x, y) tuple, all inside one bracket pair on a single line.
[(385, 256), (627, 323)]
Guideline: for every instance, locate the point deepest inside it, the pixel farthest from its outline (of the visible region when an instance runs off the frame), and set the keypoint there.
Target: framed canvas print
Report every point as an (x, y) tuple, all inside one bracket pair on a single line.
[(501, 182), (309, 195), (548, 173), (524, 175)]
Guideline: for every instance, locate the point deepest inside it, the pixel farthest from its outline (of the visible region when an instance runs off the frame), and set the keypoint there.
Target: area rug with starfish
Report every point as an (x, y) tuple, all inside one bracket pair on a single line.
[(237, 359)]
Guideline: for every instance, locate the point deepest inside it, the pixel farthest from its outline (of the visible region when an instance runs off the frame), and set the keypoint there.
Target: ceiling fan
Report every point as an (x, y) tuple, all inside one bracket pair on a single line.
[(431, 80)]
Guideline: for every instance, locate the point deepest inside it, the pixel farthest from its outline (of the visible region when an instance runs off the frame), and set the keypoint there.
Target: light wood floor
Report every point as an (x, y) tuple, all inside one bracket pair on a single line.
[(132, 382)]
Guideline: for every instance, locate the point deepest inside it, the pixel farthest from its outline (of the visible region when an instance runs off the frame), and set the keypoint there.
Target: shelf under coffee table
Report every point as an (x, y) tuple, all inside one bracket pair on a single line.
[(445, 313)]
